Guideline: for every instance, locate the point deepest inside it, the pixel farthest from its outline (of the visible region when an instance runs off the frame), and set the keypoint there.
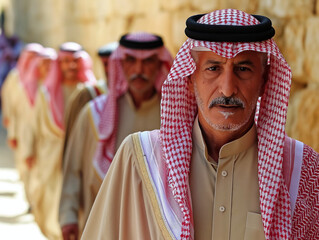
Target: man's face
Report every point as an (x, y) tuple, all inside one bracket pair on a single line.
[(105, 62), (44, 67), (69, 67), (227, 90), (141, 73)]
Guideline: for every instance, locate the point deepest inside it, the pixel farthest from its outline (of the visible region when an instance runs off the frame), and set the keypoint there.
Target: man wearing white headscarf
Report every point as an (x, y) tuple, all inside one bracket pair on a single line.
[(44, 150), (137, 69), (15, 79), (37, 72), (221, 166), (16, 101)]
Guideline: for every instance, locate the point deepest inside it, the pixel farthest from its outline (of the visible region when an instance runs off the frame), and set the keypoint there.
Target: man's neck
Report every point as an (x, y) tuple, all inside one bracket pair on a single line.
[(70, 82), (139, 99), (215, 139)]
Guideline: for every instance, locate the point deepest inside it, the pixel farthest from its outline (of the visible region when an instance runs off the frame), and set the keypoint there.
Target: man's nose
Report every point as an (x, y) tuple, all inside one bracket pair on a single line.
[(228, 84), (73, 65), (138, 66)]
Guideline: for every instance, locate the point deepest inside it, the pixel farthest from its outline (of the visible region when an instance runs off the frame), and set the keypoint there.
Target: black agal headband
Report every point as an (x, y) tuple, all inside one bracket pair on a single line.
[(147, 45), (229, 33)]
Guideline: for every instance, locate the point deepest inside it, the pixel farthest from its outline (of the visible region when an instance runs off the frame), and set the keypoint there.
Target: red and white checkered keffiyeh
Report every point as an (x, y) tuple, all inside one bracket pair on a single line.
[(32, 76), (118, 85), (179, 108), (26, 66), (53, 82), (25, 58)]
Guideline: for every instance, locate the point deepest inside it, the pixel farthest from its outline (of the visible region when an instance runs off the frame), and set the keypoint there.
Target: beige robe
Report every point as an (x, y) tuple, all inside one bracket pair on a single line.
[(127, 207), (225, 196), (17, 109), (46, 142), (24, 113), (81, 183), (9, 96)]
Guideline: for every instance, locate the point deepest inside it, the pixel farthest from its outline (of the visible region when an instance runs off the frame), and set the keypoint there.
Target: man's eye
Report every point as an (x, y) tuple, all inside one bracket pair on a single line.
[(243, 69), (129, 59), (244, 72), (149, 60), (213, 68)]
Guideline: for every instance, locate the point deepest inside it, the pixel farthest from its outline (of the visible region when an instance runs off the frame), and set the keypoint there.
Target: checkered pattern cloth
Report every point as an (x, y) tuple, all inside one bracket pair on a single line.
[(26, 66), (53, 82), (118, 85), (179, 108)]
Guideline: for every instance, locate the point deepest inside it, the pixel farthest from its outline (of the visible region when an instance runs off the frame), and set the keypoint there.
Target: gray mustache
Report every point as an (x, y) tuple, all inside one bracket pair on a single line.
[(134, 76), (233, 101)]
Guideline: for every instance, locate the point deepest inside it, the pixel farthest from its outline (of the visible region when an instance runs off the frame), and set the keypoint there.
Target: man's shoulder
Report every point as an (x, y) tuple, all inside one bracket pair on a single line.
[(81, 89), (296, 146), (146, 144), (298, 158), (152, 136), (96, 104), (142, 141), (99, 100), (13, 74), (90, 114)]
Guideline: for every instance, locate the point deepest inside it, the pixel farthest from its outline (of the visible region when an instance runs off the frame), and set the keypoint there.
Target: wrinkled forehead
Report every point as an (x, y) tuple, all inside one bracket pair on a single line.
[(232, 49), (138, 53), (67, 57), (196, 51), (141, 56)]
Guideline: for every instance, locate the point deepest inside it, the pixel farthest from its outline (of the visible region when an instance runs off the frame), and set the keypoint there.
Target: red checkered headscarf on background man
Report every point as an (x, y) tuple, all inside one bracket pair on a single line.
[(140, 45), (24, 66), (32, 78), (179, 109), (54, 80)]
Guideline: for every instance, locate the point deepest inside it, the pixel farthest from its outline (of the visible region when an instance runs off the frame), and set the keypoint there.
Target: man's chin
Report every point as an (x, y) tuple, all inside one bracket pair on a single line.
[(228, 128), (138, 80), (138, 86)]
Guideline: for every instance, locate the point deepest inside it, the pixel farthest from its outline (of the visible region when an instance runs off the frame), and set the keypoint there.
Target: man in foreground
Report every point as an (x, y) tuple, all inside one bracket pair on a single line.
[(221, 166)]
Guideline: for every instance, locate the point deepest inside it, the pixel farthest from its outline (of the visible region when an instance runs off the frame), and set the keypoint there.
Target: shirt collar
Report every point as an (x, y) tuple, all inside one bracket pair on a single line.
[(145, 104), (232, 148)]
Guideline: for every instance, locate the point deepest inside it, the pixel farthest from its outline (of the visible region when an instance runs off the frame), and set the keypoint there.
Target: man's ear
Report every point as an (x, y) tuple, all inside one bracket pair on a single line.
[(191, 79)]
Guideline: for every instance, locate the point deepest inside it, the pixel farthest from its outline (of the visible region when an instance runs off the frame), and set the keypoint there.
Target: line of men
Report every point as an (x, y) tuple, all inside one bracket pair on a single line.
[(221, 165), (58, 117), (218, 166)]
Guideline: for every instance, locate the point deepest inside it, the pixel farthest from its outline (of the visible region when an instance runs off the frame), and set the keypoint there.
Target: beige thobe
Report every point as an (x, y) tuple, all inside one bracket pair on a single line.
[(9, 96), (23, 117), (80, 181), (46, 176), (225, 196), (224, 201), (17, 109)]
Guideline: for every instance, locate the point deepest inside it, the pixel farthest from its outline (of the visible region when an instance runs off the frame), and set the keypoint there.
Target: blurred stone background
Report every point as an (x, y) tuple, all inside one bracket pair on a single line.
[(94, 23)]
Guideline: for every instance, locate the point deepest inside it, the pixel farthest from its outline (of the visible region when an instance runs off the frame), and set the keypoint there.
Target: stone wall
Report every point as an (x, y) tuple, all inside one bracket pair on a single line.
[(94, 23)]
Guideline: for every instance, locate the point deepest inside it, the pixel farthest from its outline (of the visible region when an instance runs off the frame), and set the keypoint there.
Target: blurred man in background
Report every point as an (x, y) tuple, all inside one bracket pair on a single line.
[(137, 69), (87, 92), (44, 150)]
